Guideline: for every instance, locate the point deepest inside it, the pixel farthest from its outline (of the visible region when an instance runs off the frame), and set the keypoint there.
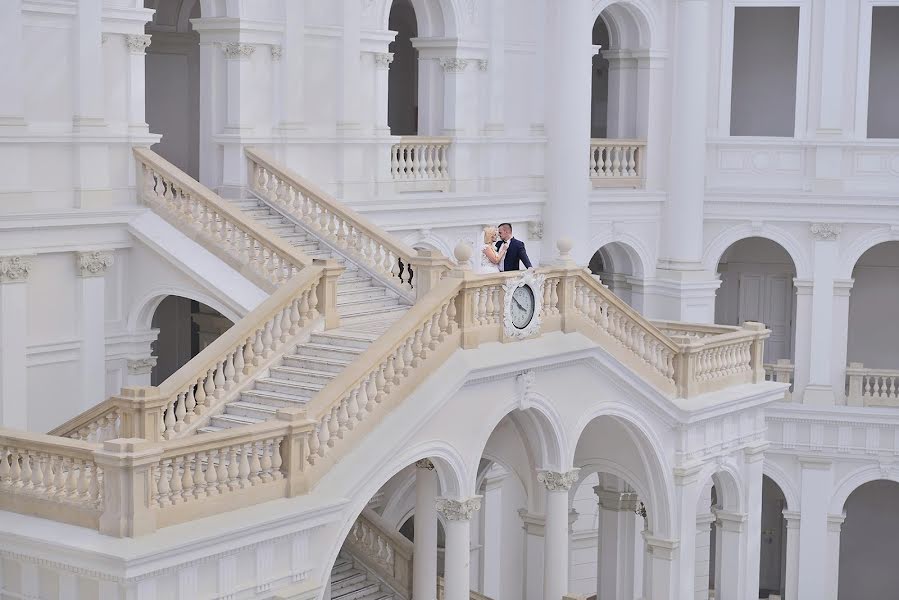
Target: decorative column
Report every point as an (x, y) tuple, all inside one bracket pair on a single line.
[(730, 555), (660, 570), (14, 341), (12, 59), (493, 532), (382, 82), (841, 291), (293, 66), (457, 568), (136, 92), (424, 564), (688, 292), (790, 588), (831, 574), (91, 295), (459, 110), (555, 549), (815, 494), (615, 548), (534, 529), (803, 346), (753, 459), (569, 53), (239, 75), (819, 389)]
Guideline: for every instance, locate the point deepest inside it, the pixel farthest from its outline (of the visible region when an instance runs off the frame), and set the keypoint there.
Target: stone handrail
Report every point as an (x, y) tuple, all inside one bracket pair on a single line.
[(247, 246), (49, 477), (782, 372), (617, 163), (872, 387), (382, 550), (717, 362), (367, 244), (441, 591), (419, 163), (187, 398), (692, 330)]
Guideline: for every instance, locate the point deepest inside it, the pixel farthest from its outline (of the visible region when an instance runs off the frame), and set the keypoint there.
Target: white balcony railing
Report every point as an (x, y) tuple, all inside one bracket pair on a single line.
[(781, 372), (421, 164), (617, 163), (871, 387)]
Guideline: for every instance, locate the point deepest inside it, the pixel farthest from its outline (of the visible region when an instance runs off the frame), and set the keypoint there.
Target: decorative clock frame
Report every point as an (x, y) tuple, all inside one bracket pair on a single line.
[(535, 282)]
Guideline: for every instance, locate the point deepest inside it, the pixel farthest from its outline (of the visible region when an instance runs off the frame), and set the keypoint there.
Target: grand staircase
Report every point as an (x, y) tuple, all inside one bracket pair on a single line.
[(352, 581), (367, 308)]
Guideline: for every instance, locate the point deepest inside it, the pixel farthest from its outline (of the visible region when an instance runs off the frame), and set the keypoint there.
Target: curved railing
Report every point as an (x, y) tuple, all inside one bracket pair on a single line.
[(247, 246), (383, 550), (344, 229)]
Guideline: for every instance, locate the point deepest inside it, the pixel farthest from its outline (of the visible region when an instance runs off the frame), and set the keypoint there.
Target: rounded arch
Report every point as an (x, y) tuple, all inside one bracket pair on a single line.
[(783, 481), (435, 18), (855, 480), (659, 492), (630, 246), (727, 238), (630, 23), (140, 316), (428, 241), (861, 245)]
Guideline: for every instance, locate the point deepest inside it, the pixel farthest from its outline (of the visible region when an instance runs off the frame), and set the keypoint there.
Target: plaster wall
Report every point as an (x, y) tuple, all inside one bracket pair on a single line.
[(884, 77), (873, 327), (867, 538)]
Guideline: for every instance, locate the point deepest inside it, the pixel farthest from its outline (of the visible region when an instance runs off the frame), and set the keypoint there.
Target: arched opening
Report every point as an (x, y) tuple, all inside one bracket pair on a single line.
[(185, 328), (616, 264), (883, 82), (773, 565), (719, 526), (757, 285), (600, 84), (873, 315), (868, 543), (172, 88), (402, 97)]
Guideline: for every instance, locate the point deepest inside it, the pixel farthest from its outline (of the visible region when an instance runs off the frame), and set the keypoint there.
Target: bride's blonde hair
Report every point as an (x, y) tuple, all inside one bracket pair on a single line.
[(489, 234)]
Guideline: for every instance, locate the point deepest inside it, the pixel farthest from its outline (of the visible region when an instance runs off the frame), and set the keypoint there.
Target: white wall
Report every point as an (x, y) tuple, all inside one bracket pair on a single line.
[(873, 311), (883, 90), (869, 541), (763, 95)]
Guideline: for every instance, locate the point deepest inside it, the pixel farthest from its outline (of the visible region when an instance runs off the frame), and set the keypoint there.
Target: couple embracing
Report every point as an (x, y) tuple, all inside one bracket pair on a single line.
[(502, 252)]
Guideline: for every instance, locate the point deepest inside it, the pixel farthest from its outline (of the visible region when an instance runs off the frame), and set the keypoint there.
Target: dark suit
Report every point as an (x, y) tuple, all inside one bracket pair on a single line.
[(514, 255)]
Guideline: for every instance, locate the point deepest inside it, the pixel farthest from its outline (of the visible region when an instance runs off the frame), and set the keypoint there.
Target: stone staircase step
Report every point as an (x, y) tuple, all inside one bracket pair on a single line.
[(370, 293), (352, 281), (349, 304), (317, 363), (275, 399), (341, 564), (385, 313), (347, 578), (226, 421), (339, 337), (287, 386), (304, 375), (328, 351), (252, 410), (247, 204), (379, 595), (356, 591)]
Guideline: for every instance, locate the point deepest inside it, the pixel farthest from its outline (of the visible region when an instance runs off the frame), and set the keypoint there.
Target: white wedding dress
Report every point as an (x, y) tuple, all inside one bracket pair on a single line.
[(484, 264)]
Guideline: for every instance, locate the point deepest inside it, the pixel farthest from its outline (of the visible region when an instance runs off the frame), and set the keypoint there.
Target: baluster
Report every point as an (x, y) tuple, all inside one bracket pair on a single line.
[(314, 446), (255, 464), (243, 468), (199, 476), (212, 473), (333, 427), (408, 355), (175, 483), (313, 301), (266, 461), (365, 402), (394, 161), (380, 384), (233, 469), (173, 415), (371, 391), (258, 348), (352, 408), (163, 490), (343, 416), (5, 456), (187, 477), (275, 466), (324, 435)]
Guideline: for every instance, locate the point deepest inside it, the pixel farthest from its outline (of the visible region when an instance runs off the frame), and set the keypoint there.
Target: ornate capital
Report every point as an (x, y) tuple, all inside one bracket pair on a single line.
[(137, 44), (558, 482), (458, 510), (141, 366), (535, 230), (482, 64), (14, 268), (425, 463), (94, 264), (383, 60), (825, 232), (276, 53), (238, 50), (452, 64), (615, 500)]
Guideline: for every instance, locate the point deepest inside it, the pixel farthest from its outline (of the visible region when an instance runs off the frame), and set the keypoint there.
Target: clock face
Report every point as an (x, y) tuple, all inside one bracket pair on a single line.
[(522, 310)]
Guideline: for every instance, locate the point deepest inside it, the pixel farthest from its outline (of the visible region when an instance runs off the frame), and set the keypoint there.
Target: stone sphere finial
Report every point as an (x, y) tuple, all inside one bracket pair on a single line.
[(564, 245), (462, 252)]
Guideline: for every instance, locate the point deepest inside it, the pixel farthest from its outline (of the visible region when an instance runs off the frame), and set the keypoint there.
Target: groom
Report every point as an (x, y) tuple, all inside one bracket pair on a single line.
[(515, 251)]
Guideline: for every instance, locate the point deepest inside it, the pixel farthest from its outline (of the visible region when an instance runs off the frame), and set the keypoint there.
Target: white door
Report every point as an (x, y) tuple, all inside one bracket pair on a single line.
[(768, 298)]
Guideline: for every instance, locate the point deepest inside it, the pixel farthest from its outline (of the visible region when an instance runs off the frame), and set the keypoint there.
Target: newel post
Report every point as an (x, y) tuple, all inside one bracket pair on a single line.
[(427, 269), (757, 351), (855, 384), (684, 367), (142, 409), (127, 486), (465, 307), (566, 284), (327, 291), (295, 448)]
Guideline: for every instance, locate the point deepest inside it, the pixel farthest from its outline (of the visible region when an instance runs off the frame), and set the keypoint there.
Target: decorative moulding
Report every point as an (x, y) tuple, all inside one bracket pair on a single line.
[(825, 232), (277, 52), (556, 481), (452, 64), (458, 510), (482, 64), (94, 264), (425, 463), (141, 366), (535, 282), (535, 230), (238, 50), (383, 59), (137, 44), (14, 269)]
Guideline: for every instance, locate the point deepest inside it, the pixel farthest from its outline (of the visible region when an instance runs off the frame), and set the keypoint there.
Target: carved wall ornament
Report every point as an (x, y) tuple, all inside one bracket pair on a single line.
[(826, 232), (482, 64), (535, 230), (137, 44), (558, 482), (94, 264), (453, 65), (14, 268), (141, 366), (276, 53), (425, 463), (238, 50), (458, 510), (383, 60)]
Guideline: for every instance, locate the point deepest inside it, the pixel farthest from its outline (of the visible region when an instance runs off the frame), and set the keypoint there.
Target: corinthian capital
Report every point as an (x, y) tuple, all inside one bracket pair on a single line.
[(453, 65), (14, 268), (137, 44), (383, 60), (458, 510), (557, 482), (238, 50), (94, 264)]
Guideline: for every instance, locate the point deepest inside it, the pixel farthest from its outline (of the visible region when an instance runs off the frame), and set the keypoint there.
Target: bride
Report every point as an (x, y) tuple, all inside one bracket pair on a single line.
[(490, 258)]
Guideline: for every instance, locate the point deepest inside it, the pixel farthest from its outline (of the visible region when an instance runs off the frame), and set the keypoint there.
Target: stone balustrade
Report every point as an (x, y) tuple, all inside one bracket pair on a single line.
[(249, 247), (782, 371), (382, 550), (421, 164), (342, 228), (441, 591), (871, 387), (617, 163)]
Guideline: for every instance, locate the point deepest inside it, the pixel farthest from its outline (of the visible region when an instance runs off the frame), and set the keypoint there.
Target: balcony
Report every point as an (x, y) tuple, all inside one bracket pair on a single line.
[(421, 164), (617, 163)]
